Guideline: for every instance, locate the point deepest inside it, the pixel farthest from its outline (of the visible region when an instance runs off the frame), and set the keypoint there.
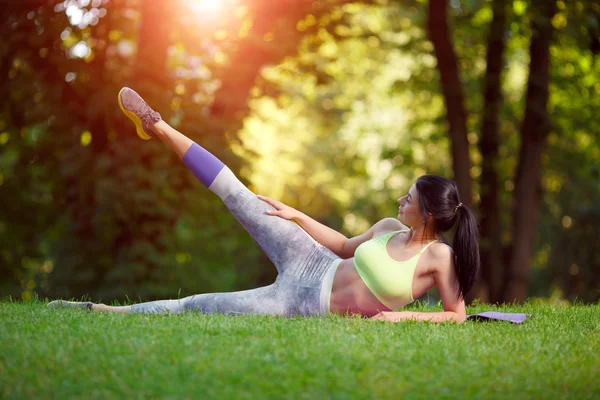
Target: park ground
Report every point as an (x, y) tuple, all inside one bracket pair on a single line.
[(48, 353)]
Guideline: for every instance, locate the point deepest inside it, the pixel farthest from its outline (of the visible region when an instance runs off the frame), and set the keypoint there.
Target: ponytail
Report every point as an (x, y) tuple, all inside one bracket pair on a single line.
[(466, 250), (439, 198)]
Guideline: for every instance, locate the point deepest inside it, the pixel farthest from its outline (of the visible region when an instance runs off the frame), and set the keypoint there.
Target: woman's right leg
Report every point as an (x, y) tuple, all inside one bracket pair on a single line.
[(264, 300), (288, 296), (114, 309), (268, 300)]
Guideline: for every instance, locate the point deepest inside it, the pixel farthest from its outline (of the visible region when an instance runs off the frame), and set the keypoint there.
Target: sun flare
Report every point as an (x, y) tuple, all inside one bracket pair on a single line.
[(206, 7)]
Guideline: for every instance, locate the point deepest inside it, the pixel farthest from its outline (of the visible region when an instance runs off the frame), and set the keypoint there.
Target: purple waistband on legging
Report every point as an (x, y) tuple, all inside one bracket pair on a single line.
[(204, 165)]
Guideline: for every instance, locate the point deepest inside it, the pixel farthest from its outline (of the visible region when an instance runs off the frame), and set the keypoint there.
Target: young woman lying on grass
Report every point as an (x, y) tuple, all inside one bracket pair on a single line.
[(321, 270)]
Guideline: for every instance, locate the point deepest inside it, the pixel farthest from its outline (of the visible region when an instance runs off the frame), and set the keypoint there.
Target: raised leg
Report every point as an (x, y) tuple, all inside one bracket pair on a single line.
[(173, 138), (281, 240)]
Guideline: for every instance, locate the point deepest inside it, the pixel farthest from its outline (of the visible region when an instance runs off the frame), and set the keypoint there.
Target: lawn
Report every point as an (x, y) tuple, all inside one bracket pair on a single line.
[(48, 353)]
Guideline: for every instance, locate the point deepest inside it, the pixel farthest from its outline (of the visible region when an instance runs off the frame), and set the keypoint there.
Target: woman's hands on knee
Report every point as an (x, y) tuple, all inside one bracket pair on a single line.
[(281, 210)]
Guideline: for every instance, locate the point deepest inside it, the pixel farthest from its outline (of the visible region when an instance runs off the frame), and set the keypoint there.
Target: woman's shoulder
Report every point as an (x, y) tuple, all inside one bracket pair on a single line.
[(388, 225), (441, 254)]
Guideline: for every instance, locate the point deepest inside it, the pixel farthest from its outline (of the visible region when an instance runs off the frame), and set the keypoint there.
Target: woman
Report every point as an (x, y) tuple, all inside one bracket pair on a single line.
[(319, 269)]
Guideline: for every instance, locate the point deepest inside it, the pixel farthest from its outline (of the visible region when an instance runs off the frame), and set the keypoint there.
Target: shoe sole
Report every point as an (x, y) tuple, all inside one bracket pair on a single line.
[(139, 125)]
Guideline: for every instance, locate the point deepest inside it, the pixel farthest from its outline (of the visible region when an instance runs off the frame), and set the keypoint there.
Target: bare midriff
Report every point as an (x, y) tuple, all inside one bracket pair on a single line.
[(350, 294)]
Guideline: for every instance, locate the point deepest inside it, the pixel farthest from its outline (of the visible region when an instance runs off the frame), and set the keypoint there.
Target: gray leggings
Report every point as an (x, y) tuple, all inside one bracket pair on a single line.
[(305, 269)]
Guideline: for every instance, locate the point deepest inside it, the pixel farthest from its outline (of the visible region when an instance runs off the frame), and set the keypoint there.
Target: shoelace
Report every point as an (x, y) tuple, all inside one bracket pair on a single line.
[(145, 112), (143, 108)]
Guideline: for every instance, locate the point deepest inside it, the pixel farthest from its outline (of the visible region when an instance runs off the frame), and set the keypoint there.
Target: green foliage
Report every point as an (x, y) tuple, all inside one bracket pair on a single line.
[(88, 208), (570, 225), (358, 115), (344, 132), (332, 107)]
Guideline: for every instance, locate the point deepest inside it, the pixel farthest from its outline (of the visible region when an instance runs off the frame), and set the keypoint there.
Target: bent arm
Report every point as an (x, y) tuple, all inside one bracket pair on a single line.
[(447, 284), (337, 242), (326, 236), (330, 238)]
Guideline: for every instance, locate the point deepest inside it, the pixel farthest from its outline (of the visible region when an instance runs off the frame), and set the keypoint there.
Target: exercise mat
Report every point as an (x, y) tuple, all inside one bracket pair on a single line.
[(515, 318)]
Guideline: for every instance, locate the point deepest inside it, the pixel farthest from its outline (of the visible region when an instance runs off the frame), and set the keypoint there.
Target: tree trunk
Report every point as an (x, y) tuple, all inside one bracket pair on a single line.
[(490, 245), (534, 132), (452, 90)]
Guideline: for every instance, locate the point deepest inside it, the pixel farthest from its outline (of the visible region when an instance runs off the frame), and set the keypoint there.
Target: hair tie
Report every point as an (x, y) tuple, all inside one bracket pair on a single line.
[(457, 207)]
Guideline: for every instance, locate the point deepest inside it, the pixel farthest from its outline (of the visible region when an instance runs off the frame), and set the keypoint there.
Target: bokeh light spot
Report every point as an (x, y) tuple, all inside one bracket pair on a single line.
[(86, 138), (574, 269), (4, 136), (80, 50)]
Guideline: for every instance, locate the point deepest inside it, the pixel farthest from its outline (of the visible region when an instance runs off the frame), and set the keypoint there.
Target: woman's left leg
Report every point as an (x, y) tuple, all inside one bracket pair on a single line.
[(280, 239)]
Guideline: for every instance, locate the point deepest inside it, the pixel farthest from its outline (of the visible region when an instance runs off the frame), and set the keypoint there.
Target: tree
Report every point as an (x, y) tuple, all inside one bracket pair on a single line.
[(113, 217), (452, 89), (534, 132), (489, 207)]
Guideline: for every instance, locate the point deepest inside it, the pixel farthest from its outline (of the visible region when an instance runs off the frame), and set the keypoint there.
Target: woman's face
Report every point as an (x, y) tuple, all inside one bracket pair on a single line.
[(408, 212)]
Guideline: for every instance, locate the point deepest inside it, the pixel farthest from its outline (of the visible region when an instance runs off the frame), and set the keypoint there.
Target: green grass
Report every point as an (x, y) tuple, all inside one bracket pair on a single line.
[(47, 353)]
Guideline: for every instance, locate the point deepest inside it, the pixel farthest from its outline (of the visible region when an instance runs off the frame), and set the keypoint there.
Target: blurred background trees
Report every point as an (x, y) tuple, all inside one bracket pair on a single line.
[(332, 106)]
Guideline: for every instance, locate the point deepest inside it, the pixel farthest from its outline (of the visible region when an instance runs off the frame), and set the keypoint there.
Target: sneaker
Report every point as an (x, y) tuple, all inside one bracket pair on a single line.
[(70, 304), (134, 107)]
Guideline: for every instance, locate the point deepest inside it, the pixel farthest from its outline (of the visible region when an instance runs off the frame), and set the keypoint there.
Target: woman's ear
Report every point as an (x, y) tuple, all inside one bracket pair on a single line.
[(429, 217)]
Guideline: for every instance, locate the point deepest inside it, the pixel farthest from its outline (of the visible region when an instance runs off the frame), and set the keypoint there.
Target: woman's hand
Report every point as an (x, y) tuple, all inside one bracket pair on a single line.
[(384, 316), (281, 210), (398, 316)]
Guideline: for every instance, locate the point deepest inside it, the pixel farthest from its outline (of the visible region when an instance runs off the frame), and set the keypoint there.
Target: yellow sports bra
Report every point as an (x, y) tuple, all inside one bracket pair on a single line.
[(389, 280)]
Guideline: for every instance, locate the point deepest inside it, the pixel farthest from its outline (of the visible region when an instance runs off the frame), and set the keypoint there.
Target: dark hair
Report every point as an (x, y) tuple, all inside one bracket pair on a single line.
[(438, 196)]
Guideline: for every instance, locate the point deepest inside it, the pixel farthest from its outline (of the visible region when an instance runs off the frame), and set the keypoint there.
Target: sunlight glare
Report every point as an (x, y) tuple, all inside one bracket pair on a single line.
[(206, 6)]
